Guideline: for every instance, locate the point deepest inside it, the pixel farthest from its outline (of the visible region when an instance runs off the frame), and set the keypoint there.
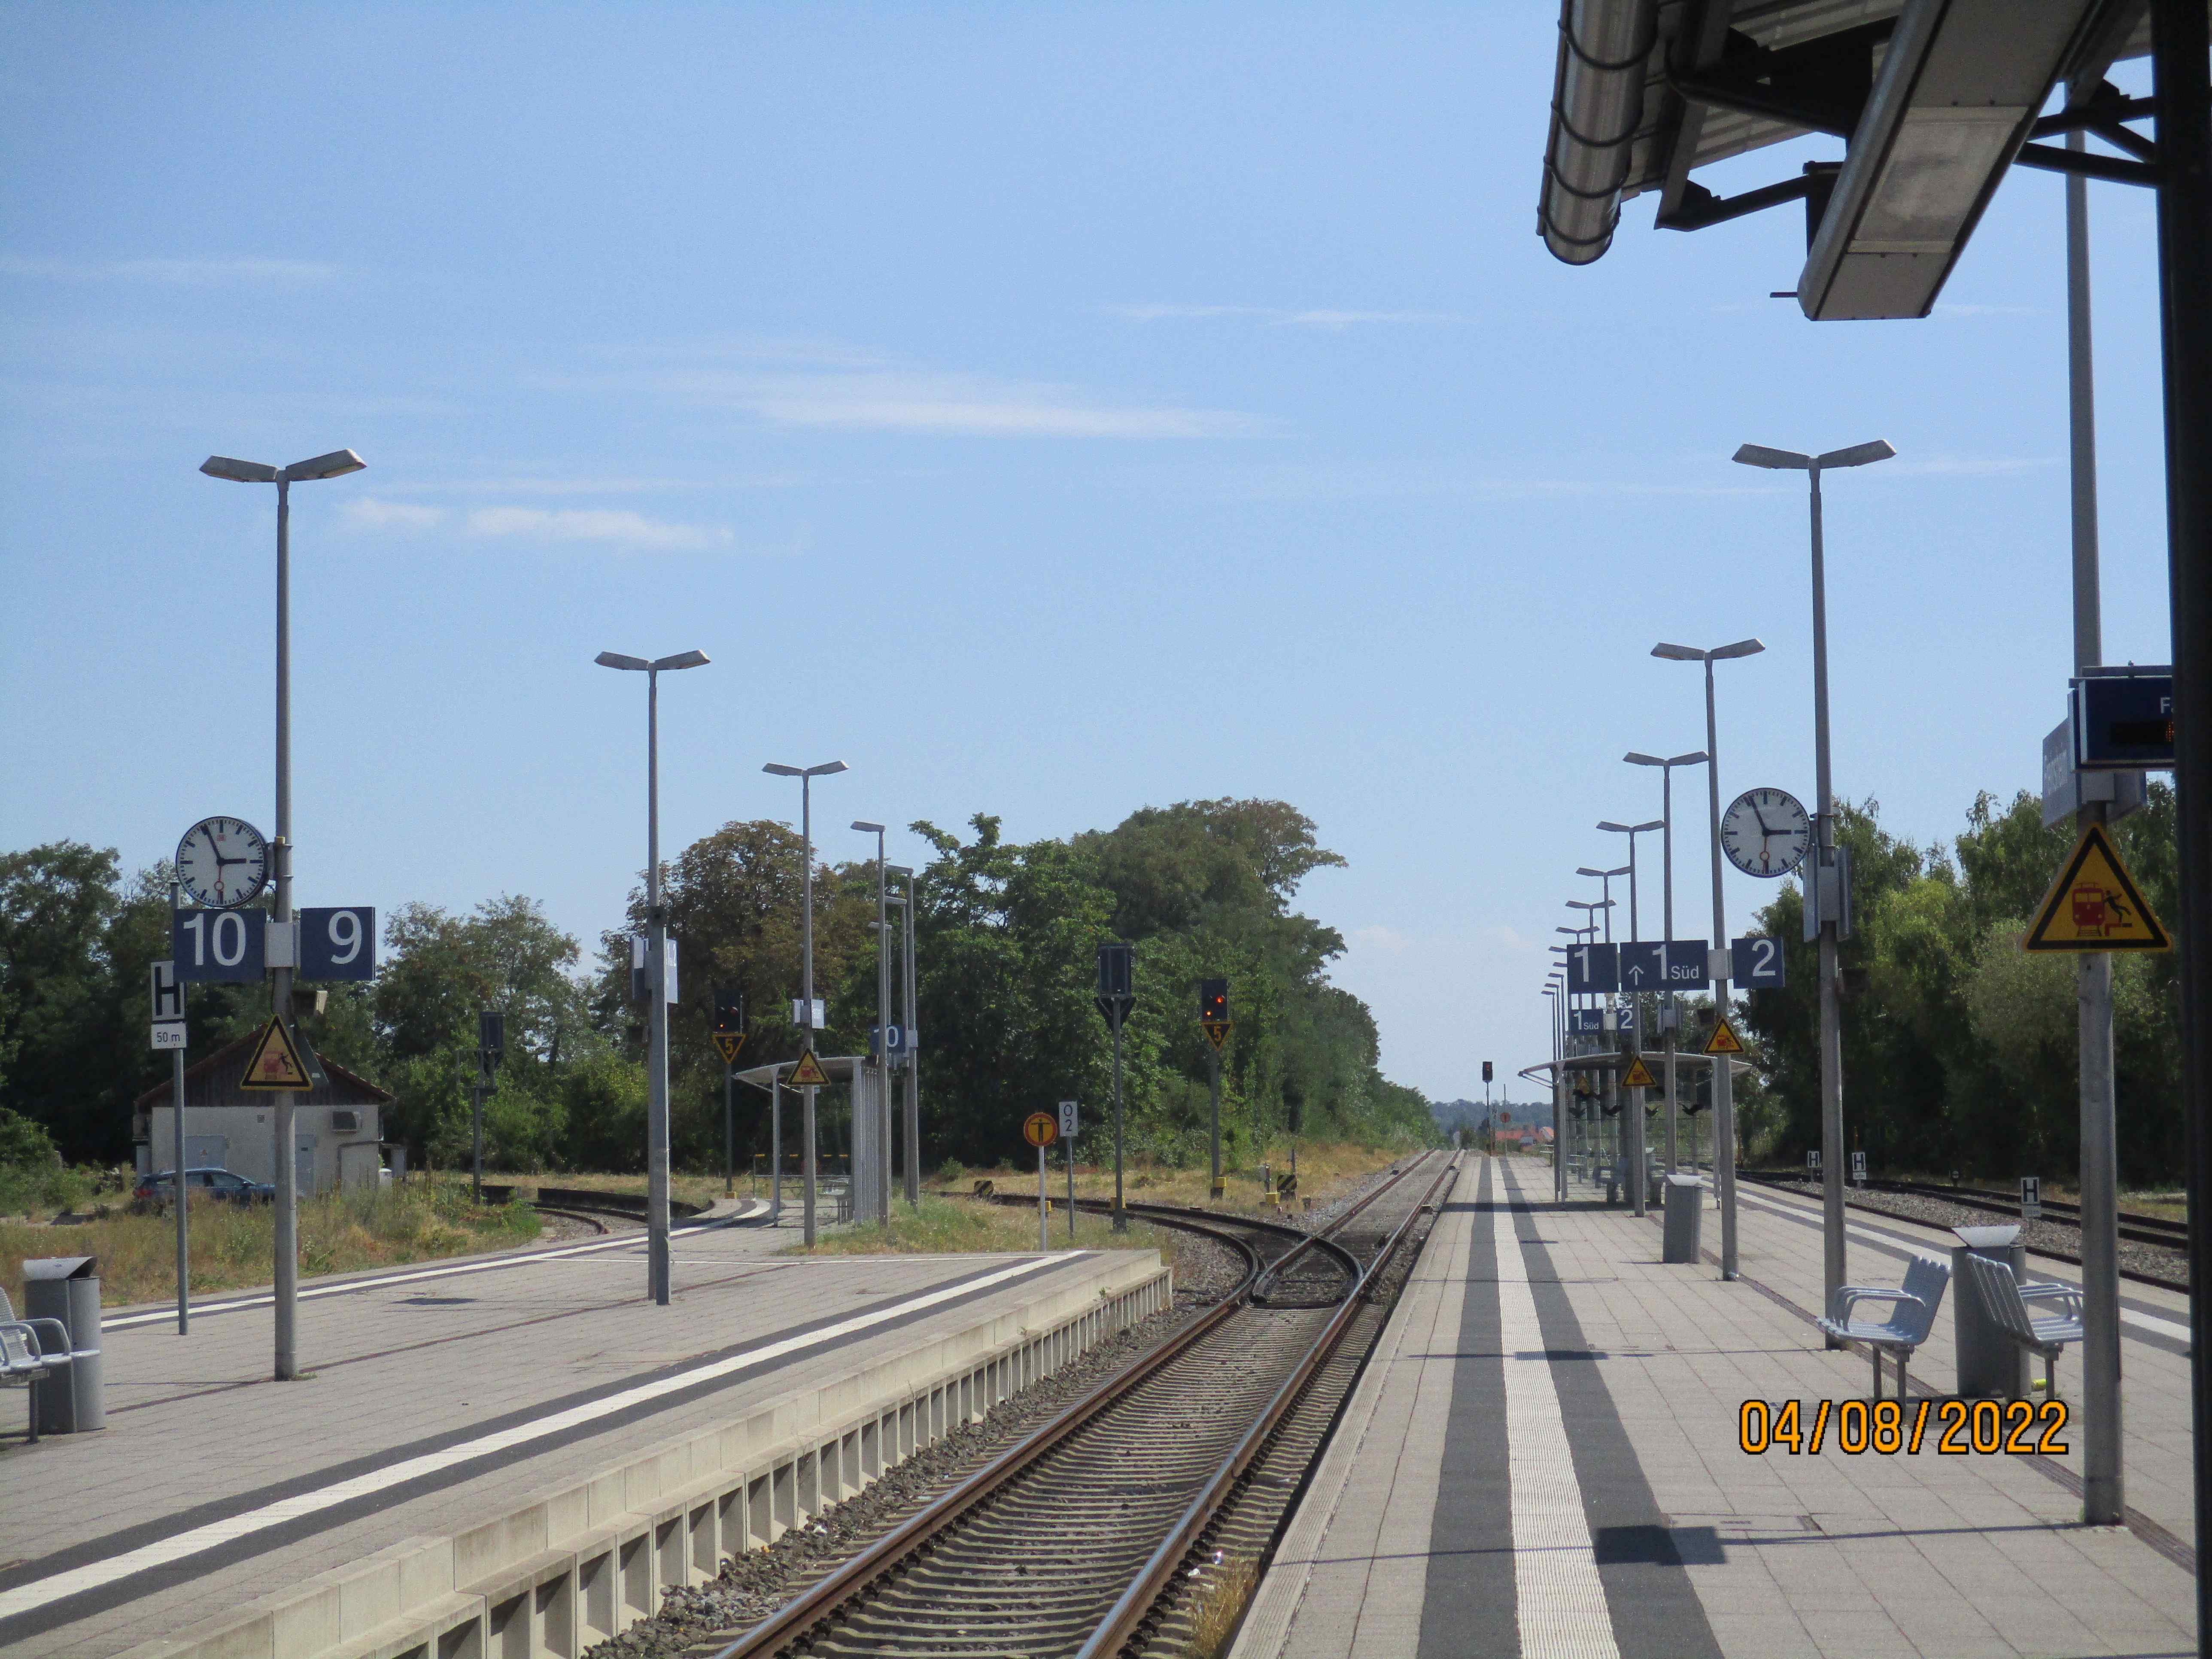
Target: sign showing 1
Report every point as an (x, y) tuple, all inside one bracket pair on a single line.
[(1593, 967), (218, 946)]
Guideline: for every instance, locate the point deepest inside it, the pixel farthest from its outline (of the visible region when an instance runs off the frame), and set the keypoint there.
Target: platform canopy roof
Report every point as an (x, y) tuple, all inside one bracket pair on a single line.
[(1935, 98)]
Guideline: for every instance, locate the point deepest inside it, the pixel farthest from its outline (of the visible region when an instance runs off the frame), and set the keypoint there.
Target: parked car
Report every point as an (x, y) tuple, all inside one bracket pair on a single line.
[(222, 1186)]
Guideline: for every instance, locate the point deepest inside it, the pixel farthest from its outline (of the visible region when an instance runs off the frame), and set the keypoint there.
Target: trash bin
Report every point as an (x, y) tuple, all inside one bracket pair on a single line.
[(67, 1288), (1686, 1209), (1991, 1365)]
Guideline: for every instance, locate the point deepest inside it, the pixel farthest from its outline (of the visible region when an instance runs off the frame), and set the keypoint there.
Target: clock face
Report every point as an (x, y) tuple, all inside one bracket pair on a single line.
[(1765, 832), (223, 862)]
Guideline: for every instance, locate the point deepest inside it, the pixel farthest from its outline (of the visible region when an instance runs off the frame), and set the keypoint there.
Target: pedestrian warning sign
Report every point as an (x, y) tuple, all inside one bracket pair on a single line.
[(726, 1044), (808, 1073), (1638, 1075), (277, 1061), (2094, 905), (1724, 1040)]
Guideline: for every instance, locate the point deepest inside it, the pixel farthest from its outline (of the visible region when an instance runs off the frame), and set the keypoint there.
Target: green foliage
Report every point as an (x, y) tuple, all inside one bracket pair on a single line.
[(1961, 1050)]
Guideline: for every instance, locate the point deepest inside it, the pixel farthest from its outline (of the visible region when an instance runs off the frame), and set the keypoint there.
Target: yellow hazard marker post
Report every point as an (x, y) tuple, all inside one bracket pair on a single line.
[(1041, 1129), (277, 1062), (1638, 1075), (1724, 1040), (2095, 905), (808, 1073)]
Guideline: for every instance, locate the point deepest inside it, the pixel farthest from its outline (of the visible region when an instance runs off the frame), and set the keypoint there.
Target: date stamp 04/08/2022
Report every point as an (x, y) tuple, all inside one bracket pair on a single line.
[(1952, 1428)]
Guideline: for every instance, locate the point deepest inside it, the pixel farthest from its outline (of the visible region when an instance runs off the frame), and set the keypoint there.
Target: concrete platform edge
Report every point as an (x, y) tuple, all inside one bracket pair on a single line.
[(589, 1557)]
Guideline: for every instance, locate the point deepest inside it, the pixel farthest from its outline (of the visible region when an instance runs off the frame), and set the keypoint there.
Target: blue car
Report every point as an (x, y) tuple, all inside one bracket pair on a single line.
[(222, 1186)]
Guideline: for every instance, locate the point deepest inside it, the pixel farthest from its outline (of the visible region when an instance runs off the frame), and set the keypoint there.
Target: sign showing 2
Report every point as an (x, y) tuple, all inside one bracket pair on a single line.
[(1755, 963)]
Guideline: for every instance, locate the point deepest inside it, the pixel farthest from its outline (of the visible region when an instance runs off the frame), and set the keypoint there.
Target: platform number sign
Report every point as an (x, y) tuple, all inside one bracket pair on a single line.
[(219, 946), (1593, 967), (338, 943), (1755, 963)]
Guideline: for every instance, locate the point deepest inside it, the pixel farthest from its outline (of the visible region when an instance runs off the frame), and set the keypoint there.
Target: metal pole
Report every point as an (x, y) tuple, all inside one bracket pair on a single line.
[(1724, 1103), (1667, 885), (806, 976), (2103, 1489), (287, 1168), (183, 1202), (2178, 51), (1120, 1219), (1070, 1189), (884, 1033), (774, 1148), (729, 1132), (1639, 1187), (475, 1137), (913, 1060), (1832, 1029), (656, 1121), (1214, 1081), (1044, 1207), (1558, 1103)]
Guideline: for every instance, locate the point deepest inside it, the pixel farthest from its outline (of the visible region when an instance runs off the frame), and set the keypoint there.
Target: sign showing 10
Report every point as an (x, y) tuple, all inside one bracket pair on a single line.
[(232, 947)]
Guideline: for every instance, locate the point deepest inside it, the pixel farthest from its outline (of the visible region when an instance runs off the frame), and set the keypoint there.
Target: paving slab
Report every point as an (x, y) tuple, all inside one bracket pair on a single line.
[(457, 1378), (1450, 1517)]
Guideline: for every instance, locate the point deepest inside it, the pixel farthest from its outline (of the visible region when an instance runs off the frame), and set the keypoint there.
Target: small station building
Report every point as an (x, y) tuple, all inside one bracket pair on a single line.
[(338, 1127)]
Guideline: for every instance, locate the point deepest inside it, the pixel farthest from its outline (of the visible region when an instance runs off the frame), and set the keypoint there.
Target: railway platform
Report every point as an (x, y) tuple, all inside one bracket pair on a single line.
[(514, 1454), (1543, 1458)]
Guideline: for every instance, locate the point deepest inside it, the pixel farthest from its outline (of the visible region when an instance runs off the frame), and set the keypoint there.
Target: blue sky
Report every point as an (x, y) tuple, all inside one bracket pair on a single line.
[(1047, 411)]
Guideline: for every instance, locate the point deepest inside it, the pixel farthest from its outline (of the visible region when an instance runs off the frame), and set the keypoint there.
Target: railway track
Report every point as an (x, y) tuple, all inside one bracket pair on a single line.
[(1109, 1530)]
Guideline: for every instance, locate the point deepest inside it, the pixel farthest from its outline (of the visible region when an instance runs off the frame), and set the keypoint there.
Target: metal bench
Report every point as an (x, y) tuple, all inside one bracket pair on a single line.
[(2012, 1307), (26, 1358), (1912, 1315)]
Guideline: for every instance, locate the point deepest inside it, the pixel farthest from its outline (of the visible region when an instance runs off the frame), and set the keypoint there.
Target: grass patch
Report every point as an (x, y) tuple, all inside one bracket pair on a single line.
[(1326, 1170), (233, 1246), (41, 1189)]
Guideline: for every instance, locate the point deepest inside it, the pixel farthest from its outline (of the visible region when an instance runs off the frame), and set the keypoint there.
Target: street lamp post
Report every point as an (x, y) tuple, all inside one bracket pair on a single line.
[(908, 998), (1723, 1093), (335, 465), (1671, 1017), (656, 921), (1824, 884), (806, 775), (883, 1020), (1639, 1156)]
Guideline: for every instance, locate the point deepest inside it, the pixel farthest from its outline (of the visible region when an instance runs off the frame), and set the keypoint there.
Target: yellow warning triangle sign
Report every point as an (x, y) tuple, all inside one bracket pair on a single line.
[(1638, 1075), (808, 1073), (726, 1044), (2094, 905), (1724, 1040), (276, 1062)]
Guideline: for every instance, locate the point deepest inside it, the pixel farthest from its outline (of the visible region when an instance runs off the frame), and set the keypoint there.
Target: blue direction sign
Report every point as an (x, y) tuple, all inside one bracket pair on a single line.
[(1625, 1020), (1755, 963), (1677, 964), (1585, 1021), (1593, 967), (338, 943), (2124, 720), (219, 946)]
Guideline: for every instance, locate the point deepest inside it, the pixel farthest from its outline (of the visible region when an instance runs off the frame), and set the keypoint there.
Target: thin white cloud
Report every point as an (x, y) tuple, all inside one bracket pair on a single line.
[(180, 273), (943, 406), (594, 525), (368, 513), (1278, 316)]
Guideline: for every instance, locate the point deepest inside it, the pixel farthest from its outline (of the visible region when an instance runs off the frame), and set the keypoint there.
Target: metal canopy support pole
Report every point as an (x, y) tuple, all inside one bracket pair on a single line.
[(1559, 1101), (288, 1161), (2183, 91), (656, 1076), (2103, 1492), (1824, 853), (807, 977), (1724, 1102)]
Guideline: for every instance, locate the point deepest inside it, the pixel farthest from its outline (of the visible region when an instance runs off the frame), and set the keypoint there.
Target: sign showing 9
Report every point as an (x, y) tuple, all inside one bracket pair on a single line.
[(338, 943)]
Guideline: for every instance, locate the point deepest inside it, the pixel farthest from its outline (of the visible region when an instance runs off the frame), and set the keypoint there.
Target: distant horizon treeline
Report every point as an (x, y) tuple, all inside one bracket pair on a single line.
[(1006, 940)]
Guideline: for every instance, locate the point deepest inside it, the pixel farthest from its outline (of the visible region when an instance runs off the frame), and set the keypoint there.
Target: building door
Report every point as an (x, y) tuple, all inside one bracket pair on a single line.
[(303, 1165), (207, 1151)]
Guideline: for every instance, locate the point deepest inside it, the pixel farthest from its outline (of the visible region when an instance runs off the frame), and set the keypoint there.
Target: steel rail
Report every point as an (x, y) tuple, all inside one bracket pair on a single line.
[(941, 1513), (1136, 1602), (912, 1536)]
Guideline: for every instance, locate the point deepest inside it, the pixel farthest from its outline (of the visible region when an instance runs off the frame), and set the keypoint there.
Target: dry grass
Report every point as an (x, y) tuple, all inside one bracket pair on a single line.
[(1325, 1170), (233, 1246), (1220, 1604), (951, 1226)]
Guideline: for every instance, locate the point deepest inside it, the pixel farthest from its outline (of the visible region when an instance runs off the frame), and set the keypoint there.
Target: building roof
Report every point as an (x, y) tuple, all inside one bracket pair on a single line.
[(214, 1082)]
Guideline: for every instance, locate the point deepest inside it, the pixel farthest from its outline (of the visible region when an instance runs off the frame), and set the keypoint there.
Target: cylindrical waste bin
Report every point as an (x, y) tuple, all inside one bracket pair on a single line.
[(67, 1288), (1991, 1365), (1686, 1209)]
